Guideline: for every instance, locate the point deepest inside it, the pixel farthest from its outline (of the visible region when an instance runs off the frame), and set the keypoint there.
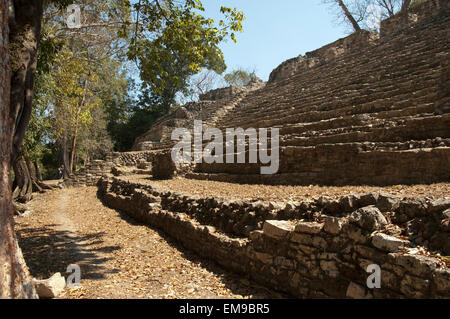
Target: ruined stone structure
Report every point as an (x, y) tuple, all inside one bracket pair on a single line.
[(362, 110), (316, 249), (116, 163), (212, 107), (368, 109)]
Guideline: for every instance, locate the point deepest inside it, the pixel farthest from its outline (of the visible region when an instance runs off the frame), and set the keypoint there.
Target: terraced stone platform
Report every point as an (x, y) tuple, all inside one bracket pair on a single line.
[(367, 109), (362, 110), (300, 243), (363, 174)]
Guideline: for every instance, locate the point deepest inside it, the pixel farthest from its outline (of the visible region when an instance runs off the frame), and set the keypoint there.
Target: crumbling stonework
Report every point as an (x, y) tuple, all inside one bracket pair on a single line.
[(310, 249), (351, 44), (211, 108), (115, 163), (362, 110), (90, 174)]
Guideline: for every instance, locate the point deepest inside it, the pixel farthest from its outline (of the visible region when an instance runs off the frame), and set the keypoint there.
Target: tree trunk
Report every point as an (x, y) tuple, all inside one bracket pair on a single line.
[(348, 15), (63, 154), (35, 182), (75, 134), (23, 185), (73, 150), (25, 33), (38, 171), (15, 281), (404, 11)]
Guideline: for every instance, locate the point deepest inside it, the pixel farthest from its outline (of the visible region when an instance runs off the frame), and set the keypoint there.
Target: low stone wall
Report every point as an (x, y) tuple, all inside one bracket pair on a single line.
[(339, 164), (312, 249), (133, 158), (90, 174)]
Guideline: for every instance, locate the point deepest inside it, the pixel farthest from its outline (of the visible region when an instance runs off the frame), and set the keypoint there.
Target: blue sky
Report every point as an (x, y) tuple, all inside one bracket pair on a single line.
[(275, 31)]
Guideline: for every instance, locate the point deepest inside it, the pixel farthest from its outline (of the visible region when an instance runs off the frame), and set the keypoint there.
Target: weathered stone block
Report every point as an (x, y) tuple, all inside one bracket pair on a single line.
[(51, 287), (278, 229), (305, 239), (387, 203), (333, 225), (163, 167), (369, 218), (368, 199), (441, 279), (309, 227), (417, 265), (439, 205), (356, 291), (414, 287), (388, 243), (349, 203)]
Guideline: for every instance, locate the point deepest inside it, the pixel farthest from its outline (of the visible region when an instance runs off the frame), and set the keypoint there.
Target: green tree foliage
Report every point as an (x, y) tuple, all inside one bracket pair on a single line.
[(166, 41), (175, 41), (240, 77), (134, 118)]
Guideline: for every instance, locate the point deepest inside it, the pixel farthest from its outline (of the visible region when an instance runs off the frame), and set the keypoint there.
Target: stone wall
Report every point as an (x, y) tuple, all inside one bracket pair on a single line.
[(222, 93), (343, 164), (351, 44), (212, 106), (90, 174), (93, 171), (133, 158), (358, 111), (396, 24), (312, 249), (357, 41)]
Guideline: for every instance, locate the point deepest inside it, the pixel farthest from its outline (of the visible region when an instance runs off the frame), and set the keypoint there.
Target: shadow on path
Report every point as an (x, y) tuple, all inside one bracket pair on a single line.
[(48, 250)]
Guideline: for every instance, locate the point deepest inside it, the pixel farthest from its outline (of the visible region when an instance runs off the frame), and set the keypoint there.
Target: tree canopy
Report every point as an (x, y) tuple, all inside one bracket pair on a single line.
[(83, 74)]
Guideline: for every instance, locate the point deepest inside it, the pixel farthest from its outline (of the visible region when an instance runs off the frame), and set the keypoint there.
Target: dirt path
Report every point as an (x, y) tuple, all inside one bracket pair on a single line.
[(118, 257)]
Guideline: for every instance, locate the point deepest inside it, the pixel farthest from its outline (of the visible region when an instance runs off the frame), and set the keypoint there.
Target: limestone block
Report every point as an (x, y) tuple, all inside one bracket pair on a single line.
[(417, 265), (51, 287), (333, 225), (369, 218), (387, 203), (356, 291), (368, 199), (441, 279), (278, 229), (439, 205), (388, 243), (414, 287), (349, 203), (309, 227), (163, 167)]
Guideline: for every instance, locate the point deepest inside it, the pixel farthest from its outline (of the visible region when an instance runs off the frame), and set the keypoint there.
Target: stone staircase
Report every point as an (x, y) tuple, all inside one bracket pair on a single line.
[(375, 113), (212, 107)]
